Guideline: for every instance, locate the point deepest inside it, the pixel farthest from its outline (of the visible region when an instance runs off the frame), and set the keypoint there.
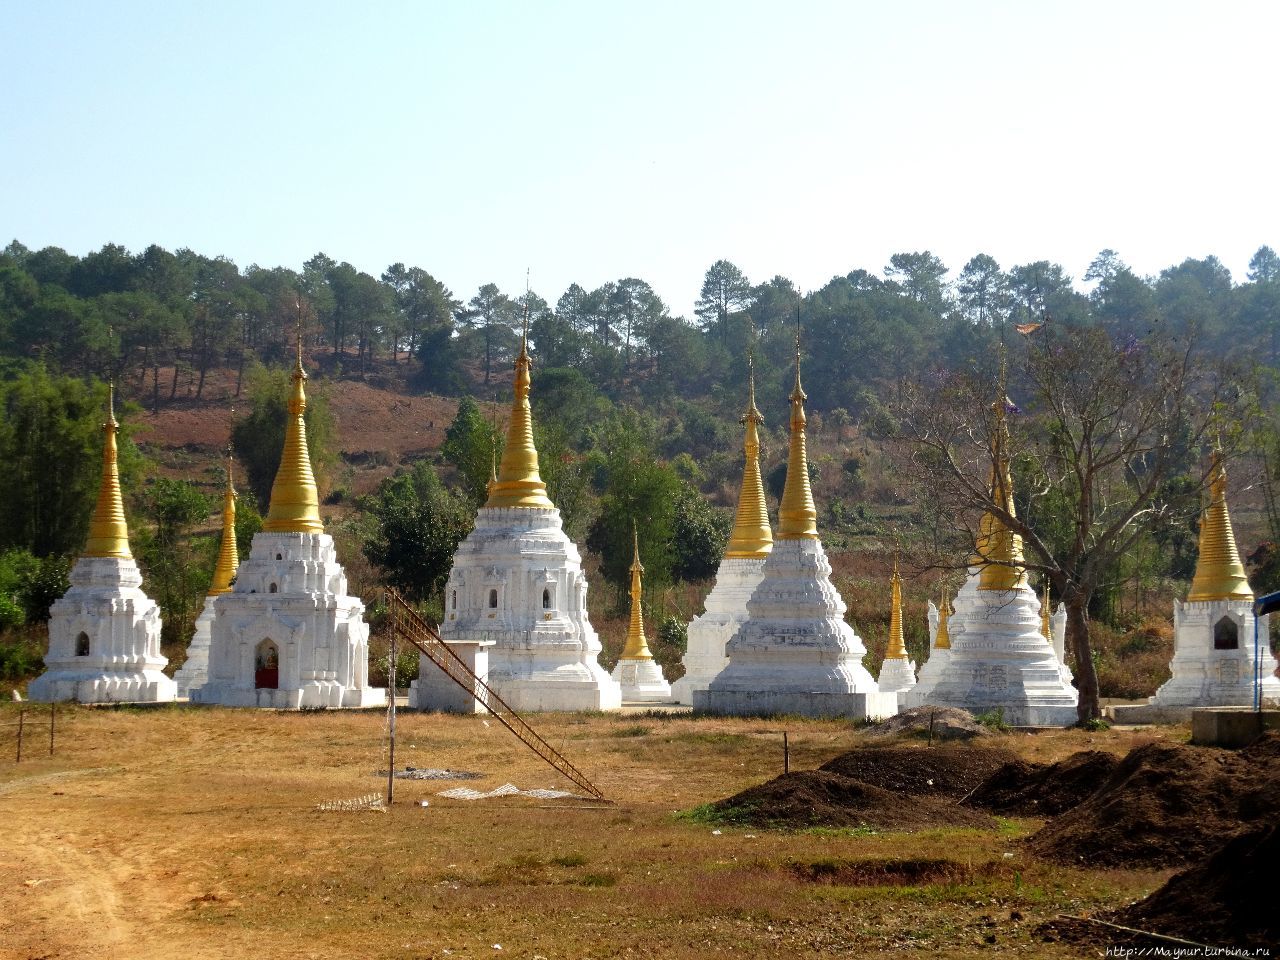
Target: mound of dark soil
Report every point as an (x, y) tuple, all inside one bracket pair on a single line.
[(1164, 805), (947, 723), (820, 798), (1227, 901), (1037, 789), (950, 771)]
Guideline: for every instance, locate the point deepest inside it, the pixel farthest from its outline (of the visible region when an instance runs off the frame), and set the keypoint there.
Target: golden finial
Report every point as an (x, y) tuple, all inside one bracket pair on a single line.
[(942, 640), (752, 537), (797, 516), (1046, 613), (108, 532), (999, 549), (228, 555), (1219, 573), (897, 648), (636, 647), (295, 503), (518, 483)]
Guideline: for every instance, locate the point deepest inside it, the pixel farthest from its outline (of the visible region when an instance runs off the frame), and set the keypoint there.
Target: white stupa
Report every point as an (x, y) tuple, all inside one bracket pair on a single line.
[(637, 673), (795, 653), (104, 632), (1000, 659), (939, 655), (195, 669), (288, 635), (897, 672), (516, 599), (739, 573), (1213, 645), (1053, 626)]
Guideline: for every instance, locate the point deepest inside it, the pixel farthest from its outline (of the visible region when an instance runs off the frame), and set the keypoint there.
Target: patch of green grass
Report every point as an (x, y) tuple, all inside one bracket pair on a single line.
[(993, 720), (709, 813), (863, 831), (569, 860), (636, 730), (715, 739), (598, 880)]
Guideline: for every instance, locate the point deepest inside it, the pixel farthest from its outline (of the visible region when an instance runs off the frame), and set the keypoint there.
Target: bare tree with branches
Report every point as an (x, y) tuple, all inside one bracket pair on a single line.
[(1109, 444)]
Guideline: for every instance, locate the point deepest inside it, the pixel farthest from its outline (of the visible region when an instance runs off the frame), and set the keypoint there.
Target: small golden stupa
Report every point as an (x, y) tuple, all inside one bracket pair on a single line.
[(797, 515), (1219, 573), (518, 483), (224, 570), (108, 532), (295, 503), (637, 645), (752, 537)]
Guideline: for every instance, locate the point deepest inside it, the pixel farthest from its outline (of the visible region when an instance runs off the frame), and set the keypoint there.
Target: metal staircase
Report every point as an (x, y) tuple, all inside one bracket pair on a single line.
[(412, 628)]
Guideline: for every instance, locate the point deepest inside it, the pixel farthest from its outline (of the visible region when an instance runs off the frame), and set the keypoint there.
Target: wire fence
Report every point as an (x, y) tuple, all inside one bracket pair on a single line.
[(33, 731)]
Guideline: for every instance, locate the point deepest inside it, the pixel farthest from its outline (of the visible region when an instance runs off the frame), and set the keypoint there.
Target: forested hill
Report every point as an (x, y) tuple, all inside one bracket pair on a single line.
[(129, 316)]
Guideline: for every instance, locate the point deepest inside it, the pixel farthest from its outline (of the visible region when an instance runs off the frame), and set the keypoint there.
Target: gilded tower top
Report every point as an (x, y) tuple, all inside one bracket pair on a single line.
[(942, 641), (797, 516), (108, 532), (1219, 573), (999, 549), (1046, 614), (636, 647), (228, 556), (752, 537), (897, 648), (518, 483), (295, 504)]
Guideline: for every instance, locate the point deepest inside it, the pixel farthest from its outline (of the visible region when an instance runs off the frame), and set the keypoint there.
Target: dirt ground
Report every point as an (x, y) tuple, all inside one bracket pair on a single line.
[(194, 832)]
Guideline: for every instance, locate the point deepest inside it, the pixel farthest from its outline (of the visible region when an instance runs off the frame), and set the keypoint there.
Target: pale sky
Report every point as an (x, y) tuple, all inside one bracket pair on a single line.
[(594, 141)]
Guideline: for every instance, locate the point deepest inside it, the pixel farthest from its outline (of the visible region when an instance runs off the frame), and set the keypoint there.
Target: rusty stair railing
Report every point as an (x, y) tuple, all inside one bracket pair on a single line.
[(406, 622)]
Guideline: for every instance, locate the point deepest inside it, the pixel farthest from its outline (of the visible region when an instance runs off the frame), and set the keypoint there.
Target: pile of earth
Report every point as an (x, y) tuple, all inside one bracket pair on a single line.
[(1162, 805), (1045, 790), (889, 788), (945, 723), (1227, 901)]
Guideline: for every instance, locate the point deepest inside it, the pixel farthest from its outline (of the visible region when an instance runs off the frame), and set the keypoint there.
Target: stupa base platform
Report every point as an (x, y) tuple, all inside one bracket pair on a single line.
[(547, 696), (761, 703), (1017, 714), (145, 686), (642, 681), (1231, 727), (897, 676), (315, 695)]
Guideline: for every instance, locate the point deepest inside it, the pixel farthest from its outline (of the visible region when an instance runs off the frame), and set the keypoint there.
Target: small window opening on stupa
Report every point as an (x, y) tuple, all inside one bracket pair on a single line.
[(493, 599), (1226, 634), (82, 644)]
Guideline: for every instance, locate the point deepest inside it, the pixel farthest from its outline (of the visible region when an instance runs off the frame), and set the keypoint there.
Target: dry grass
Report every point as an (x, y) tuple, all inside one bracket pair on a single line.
[(174, 831)]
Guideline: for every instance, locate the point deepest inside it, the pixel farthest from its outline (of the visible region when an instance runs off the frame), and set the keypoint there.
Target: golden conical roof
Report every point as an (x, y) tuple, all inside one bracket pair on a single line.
[(1219, 573), (224, 570), (942, 640), (1046, 614), (636, 647), (999, 549), (518, 483), (752, 537), (108, 532), (295, 504), (797, 516), (897, 648)]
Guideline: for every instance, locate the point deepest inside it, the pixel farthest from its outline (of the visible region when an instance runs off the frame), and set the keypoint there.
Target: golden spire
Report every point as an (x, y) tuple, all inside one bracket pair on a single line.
[(108, 532), (999, 549), (897, 649), (942, 640), (797, 516), (636, 647), (228, 556), (518, 483), (752, 537), (1219, 573), (1046, 614), (295, 504)]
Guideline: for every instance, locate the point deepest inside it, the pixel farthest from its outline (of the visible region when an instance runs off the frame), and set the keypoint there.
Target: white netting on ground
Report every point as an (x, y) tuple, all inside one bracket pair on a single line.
[(414, 773), (507, 790), (372, 801)]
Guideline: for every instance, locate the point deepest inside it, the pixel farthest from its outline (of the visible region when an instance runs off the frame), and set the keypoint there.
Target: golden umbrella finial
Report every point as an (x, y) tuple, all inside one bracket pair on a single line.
[(797, 515), (295, 502), (224, 570), (752, 537), (636, 646), (897, 646), (942, 640), (108, 531), (1219, 573)]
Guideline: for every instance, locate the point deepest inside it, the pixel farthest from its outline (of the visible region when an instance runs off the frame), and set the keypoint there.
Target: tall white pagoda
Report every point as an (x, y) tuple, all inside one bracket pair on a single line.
[(1213, 644), (795, 653), (104, 632), (195, 670), (1000, 659), (739, 573), (288, 635), (637, 673), (516, 599)]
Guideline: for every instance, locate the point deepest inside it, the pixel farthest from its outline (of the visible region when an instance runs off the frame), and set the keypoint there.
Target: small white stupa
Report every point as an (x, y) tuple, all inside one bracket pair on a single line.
[(1213, 645), (1000, 659), (795, 653), (1053, 626), (897, 672), (739, 573), (637, 673), (288, 635), (516, 599), (104, 632), (195, 670), (939, 654)]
